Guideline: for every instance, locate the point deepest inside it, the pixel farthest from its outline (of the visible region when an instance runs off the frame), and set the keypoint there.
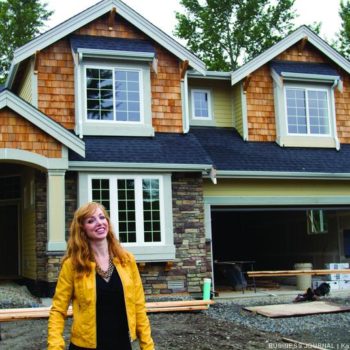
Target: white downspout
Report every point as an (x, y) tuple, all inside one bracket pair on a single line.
[(185, 105)]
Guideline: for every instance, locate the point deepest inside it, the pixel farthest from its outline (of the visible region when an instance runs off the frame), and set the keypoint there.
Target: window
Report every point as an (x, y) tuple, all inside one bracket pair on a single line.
[(316, 222), (113, 98), (113, 95), (201, 105), (140, 208), (134, 207), (307, 111)]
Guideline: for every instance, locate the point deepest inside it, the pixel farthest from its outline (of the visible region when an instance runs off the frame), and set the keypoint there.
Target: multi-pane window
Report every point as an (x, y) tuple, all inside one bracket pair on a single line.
[(113, 94), (201, 104), (134, 206), (307, 111), (151, 210)]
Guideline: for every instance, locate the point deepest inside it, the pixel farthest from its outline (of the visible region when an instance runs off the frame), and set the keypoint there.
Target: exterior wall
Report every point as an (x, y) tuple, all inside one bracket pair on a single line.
[(260, 101), (56, 83), (269, 188), (260, 106), (238, 109), (29, 263), (25, 90), (16, 132), (221, 99), (56, 79)]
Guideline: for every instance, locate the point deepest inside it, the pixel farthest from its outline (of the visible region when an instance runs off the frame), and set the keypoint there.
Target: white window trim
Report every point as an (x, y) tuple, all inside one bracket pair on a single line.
[(85, 126), (308, 88), (302, 140), (143, 251), (210, 112)]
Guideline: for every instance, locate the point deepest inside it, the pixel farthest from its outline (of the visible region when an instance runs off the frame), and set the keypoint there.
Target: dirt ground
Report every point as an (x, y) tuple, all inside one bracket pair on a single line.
[(171, 331)]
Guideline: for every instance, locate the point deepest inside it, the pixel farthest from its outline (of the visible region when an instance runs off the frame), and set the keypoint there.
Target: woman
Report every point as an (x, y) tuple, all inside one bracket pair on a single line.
[(102, 281)]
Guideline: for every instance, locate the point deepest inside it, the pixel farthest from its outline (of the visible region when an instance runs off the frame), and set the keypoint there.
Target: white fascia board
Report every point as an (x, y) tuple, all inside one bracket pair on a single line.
[(40, 120), (130, 55), (149, 167), (309, 77), (96, 11), (284, 44), (210, 75), (280, 175)]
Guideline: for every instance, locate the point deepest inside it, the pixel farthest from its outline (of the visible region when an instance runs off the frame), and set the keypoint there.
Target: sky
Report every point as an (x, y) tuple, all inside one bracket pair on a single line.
[(162, 13)]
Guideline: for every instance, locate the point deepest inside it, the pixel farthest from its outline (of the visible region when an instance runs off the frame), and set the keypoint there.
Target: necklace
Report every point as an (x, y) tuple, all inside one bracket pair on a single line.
[(105, 274)]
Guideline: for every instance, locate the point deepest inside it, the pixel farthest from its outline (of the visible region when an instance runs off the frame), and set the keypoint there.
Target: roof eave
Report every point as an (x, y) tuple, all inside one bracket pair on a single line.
[(249, 174), (123, 166)]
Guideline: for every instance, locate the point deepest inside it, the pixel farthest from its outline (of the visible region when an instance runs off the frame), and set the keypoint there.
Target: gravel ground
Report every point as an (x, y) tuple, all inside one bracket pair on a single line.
[(224, 326)]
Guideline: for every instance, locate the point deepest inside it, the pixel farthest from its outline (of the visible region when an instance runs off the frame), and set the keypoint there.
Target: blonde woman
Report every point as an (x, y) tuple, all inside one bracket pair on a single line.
[(102, 281)]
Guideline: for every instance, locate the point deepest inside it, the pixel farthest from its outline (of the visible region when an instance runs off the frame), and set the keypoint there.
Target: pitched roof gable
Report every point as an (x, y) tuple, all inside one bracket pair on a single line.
[(40, 120), (299, 34), (92, 13)]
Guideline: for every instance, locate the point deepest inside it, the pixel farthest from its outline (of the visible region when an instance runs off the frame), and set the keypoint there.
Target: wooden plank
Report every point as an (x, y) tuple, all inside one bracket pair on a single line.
[(298, 309), (178, 308), (7, 315), (296, 272), (178, 303)]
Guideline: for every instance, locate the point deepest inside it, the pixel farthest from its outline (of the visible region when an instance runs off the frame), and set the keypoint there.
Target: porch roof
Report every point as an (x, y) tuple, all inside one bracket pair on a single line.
[(164, 148)]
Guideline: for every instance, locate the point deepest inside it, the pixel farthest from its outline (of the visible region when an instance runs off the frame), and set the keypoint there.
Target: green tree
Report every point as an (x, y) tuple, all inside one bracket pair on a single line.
[(343, 42), (20, 21), (226, 33)]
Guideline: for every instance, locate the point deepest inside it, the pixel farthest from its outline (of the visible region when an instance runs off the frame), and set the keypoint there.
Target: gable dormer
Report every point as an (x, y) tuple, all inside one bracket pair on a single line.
[(294, 93)]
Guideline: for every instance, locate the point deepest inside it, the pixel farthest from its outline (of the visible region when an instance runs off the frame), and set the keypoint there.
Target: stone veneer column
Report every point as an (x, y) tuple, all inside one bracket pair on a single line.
[(189, 232)]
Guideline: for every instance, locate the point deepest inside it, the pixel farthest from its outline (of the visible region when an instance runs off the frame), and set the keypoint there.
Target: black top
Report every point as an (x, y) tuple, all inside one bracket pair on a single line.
[(111, 320)]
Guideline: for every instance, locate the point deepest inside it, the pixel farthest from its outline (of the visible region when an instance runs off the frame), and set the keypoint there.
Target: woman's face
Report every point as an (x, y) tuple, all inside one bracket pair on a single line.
[(96, 226)]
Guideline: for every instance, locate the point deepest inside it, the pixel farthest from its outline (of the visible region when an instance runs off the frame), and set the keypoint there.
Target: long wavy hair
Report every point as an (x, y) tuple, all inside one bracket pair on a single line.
[(78, 247)]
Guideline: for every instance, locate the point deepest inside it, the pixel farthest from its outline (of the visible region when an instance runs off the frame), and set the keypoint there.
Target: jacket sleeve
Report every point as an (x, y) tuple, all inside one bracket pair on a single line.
[(60, 303), (143, 327)]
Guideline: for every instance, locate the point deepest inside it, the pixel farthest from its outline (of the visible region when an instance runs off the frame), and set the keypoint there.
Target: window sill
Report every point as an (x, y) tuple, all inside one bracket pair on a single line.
[(116, 129), (153, 253), (308, 141)]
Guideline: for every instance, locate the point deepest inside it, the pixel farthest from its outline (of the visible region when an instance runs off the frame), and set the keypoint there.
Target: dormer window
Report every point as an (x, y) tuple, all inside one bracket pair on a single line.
[(307, 111), (113, 86), (113, 94), (304, 104), (201, 105)]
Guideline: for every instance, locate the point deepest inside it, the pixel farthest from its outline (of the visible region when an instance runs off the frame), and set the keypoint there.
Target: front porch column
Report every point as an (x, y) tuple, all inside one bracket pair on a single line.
[(56, 210)]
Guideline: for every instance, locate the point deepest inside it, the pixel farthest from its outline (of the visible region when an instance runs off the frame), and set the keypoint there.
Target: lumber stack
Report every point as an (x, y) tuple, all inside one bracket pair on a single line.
[(296, 272), (8, 315)]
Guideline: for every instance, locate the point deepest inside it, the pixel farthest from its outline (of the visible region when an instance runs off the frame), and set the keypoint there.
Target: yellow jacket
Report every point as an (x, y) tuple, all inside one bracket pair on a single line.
[(82, 293)]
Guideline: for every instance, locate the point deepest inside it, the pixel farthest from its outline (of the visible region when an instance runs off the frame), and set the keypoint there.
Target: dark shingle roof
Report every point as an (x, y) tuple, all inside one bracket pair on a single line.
[(163, 148), (106, 43), (303, 67), (221, 147), (229, 152)]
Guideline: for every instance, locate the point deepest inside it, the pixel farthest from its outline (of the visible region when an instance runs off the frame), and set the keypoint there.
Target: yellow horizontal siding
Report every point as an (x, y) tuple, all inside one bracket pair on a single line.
[(25, 91), (221, 94), (237, 109)]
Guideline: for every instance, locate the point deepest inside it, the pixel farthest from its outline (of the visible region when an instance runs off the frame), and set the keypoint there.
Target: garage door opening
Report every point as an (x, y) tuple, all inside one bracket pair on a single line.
[(275, 239)]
